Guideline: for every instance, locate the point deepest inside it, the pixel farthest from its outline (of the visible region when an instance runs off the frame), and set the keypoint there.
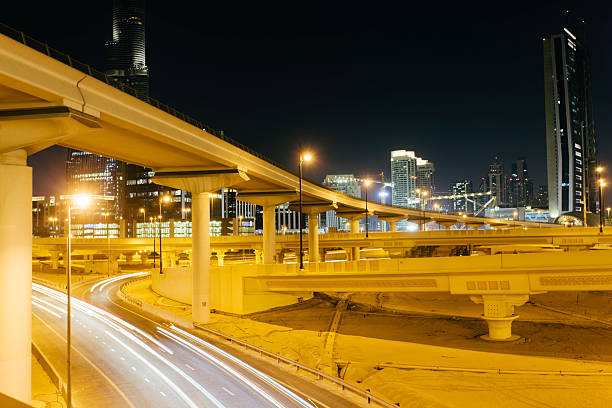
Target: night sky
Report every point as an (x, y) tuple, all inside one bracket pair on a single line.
[(456, 83)]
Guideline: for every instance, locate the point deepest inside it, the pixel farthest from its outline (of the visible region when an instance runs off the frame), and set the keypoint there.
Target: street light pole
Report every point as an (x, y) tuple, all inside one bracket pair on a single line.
[(154, 233), (303, 157), (367, 183), (602, 183), (69, 317)]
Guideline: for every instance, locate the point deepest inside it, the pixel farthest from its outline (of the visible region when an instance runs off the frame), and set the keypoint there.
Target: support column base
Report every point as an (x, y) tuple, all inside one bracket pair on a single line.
[(500, 328)]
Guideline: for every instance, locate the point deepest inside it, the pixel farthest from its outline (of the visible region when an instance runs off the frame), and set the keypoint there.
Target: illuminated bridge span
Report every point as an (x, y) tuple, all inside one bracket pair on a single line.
[(394, 244)]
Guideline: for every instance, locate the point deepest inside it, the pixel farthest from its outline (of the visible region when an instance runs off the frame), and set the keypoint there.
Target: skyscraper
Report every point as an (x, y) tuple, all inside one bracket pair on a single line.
[(346, 184), (571, 143), (93, 174), (126, 51), (459, 189), (409, 173), (425, 176), (495, 181), (519, 186)]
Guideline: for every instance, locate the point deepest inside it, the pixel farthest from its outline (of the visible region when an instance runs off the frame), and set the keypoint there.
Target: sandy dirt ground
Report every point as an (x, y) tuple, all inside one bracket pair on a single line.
[(383, 340), (44, 392)]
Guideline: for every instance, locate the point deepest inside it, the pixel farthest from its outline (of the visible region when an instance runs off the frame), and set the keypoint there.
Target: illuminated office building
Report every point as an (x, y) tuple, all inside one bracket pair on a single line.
[(346, 184), (571, 142)]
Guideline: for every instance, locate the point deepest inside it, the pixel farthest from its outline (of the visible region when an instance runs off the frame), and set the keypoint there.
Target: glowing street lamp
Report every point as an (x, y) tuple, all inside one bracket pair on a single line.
[(105, 215), (608, 210), (304, 157)]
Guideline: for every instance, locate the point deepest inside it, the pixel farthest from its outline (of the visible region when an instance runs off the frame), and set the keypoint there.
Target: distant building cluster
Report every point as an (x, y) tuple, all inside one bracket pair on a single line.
[(135, 211)]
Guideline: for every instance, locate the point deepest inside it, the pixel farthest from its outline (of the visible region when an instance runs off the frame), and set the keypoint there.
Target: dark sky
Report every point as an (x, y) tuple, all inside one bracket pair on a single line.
[(456, 82)]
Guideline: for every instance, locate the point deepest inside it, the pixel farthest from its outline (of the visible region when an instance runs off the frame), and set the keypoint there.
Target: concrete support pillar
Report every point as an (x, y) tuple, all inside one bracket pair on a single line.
[(200, 213), (54, 259), (220, 256), (393, 226), (313, 238), (269, 234), (321, 255), (499, 315), (356, 253), (257, 256), (15, 275), (354, 225)]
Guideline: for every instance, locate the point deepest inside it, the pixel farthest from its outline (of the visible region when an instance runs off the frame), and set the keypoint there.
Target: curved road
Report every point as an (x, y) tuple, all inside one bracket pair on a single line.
[(125, 358)]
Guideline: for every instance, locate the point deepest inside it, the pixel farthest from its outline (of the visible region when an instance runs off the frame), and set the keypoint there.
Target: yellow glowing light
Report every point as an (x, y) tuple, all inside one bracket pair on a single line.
[(166, 199), (602, 182), (159, 216), (424, 193), (307, 157), (436, 205), (367, 182), (142, 210), (599, 169), (464, 216), (80, 201)]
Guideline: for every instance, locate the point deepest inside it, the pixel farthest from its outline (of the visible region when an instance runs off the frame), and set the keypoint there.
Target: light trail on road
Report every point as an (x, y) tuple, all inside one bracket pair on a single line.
[(153, 364)]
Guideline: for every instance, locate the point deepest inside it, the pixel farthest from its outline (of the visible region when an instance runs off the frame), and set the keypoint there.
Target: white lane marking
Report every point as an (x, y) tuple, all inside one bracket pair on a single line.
[(228, 391), (108, 281), (162, 393), (168, 381), (112, 349), (180, 392), (95, 367), (189, 367), (59, 309), (241, 363), (133, 368), (222, 366), (122, 358), (45, 309), (147, 380)]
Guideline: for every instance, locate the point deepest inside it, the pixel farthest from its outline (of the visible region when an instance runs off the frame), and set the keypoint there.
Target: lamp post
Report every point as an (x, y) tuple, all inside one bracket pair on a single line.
[(367, 183), (304, 157), (418, 191), (423, 208), (53, 220), (105, 215), (144, 220), (437, 207), (608, 210), (162, 199), (602, 184), (154, 234), (76, 201)]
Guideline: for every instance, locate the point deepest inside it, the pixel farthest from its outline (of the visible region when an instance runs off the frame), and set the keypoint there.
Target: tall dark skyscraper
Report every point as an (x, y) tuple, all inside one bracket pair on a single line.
[(519, 186), (571, 141), (126, 51)]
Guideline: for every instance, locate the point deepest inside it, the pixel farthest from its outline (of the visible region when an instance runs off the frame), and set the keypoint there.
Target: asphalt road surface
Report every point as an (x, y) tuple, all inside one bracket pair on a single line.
[(122, 357)]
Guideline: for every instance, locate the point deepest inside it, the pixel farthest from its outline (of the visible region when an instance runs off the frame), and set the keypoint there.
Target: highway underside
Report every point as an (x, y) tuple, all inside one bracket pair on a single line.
[(123, 358)]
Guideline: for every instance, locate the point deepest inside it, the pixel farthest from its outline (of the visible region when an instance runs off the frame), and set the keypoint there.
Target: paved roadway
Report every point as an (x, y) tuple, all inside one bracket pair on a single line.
[(125, 359)]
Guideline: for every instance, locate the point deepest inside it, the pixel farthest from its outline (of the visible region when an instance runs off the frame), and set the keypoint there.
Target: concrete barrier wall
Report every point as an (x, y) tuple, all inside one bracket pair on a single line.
[(174, 283), (228, 290)]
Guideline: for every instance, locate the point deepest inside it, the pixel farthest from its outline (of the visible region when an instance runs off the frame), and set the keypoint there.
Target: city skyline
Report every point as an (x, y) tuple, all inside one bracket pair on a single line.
[(473, 134)]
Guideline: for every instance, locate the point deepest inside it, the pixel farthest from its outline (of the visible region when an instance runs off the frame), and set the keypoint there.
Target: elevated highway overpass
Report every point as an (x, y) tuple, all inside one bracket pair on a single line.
[(499, 282), (396, 244)]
